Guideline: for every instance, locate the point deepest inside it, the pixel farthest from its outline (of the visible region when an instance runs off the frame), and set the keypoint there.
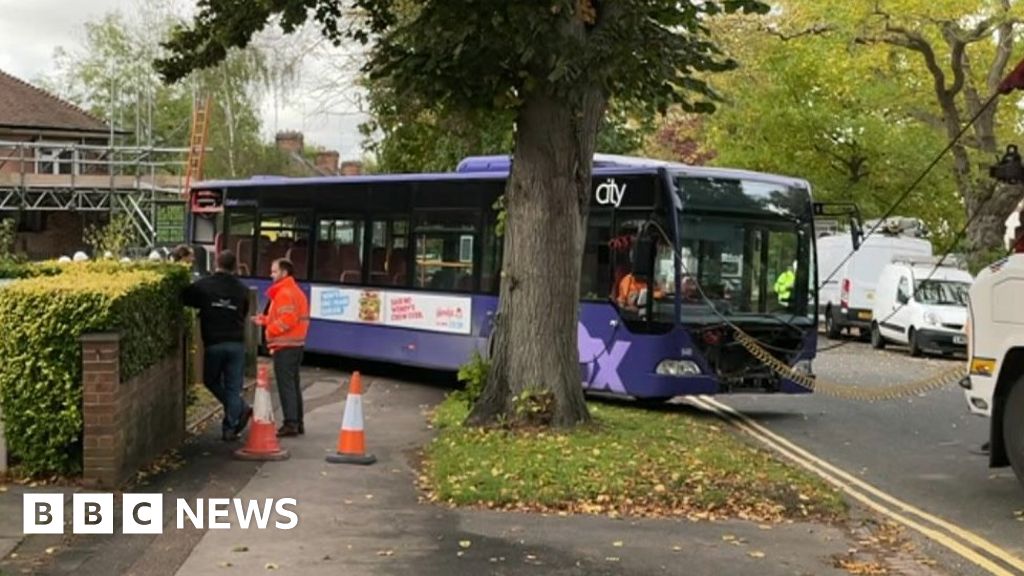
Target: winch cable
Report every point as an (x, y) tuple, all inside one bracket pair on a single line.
[(839, 390)]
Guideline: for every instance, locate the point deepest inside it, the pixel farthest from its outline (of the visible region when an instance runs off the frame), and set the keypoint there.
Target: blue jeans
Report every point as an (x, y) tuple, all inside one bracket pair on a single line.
[(223, 375)]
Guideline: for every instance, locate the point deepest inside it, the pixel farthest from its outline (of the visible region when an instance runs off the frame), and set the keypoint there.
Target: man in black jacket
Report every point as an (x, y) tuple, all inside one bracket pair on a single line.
[(223, 303)]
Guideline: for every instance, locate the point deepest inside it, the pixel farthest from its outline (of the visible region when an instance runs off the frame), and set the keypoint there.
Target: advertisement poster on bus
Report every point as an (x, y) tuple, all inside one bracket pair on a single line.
[(399, 309)]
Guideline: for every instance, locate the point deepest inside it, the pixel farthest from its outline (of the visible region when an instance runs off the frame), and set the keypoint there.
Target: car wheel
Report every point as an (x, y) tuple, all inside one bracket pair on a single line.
[(915, 348), (877, 342), (831, 330), (1013, 428)]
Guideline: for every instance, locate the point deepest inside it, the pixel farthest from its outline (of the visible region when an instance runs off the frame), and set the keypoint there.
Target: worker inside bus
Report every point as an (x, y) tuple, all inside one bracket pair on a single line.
[(630, 291)]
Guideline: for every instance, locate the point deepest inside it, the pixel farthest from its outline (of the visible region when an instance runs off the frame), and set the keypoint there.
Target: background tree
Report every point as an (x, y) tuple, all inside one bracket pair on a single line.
[(553, 66), (861, 99), (112, 76), (406, 135)]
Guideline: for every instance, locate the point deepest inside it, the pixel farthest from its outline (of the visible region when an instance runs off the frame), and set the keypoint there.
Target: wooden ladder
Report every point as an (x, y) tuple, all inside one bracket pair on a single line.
[(197, 142)]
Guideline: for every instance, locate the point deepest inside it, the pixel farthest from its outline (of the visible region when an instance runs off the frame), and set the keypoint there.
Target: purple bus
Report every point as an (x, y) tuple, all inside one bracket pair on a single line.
[(404, 268)]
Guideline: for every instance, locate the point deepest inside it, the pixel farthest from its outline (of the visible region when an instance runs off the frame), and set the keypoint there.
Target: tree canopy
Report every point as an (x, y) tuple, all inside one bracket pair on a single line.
[(552, 66), (861, 98)]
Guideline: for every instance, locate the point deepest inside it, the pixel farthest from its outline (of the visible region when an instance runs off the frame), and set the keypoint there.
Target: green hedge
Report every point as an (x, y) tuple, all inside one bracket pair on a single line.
[(43, 315), (10, 269)]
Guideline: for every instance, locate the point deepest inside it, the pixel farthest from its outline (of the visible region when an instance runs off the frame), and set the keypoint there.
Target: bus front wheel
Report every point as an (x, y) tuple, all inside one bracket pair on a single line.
[(1013, 428)]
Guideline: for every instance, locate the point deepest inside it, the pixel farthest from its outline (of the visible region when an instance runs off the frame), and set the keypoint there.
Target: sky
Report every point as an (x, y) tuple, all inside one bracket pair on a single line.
[(30, 31)]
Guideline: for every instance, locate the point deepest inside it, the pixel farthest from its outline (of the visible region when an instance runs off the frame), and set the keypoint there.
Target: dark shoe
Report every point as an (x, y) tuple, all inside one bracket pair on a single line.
[(229, 436), (287, 430), (983, 451), (246, 416), (302, 429)]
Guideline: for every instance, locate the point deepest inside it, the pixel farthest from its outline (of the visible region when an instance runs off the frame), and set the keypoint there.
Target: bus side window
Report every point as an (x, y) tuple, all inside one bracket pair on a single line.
[(339, 251), (389, 253), (283, 235), (444, 251), (241, 229), (595, 278), (490, 273)]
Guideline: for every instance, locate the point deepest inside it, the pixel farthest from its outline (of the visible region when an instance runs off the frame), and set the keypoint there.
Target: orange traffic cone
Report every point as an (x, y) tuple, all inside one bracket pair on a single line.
[(351, 441), (262, 443)]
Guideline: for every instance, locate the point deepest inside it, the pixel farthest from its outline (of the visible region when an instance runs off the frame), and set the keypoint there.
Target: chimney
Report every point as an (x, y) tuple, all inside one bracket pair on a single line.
[(351, 168), (327, 162), (289, 142)]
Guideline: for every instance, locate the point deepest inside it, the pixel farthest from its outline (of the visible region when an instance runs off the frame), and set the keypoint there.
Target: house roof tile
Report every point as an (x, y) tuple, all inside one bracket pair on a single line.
[(23, 105)]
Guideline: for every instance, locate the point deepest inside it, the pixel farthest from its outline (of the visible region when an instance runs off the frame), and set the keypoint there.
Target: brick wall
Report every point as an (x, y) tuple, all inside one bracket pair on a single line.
[(127, 423)]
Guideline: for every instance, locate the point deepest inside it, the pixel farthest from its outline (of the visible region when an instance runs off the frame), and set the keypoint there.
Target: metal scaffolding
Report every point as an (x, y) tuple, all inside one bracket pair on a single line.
[(147, 184)]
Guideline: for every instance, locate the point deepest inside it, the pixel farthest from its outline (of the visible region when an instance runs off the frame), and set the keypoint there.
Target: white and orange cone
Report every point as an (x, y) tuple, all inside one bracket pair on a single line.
[(351, 438), (262, 443)]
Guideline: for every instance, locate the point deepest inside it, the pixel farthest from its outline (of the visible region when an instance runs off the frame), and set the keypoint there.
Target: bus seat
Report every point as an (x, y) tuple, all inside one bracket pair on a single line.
[(299, 255), (351, 268), (378, 259), (243, 250), (327, 265), (397, 267)]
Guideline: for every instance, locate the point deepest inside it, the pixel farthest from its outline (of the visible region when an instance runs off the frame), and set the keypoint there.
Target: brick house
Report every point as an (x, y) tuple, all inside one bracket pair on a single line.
[(41, 134), (61, 170)]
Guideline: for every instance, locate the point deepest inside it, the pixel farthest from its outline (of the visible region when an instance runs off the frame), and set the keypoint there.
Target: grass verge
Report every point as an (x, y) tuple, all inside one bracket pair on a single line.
[(628, 462)]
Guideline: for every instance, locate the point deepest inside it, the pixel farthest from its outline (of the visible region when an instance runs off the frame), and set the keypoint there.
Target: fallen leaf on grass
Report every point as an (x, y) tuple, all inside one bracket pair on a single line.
[(612, 558), (465, 543), (240, 549), (224, 564), (51, 549), (270, 566), (677, 548), (617, 543), (385, 553), (756, 554)]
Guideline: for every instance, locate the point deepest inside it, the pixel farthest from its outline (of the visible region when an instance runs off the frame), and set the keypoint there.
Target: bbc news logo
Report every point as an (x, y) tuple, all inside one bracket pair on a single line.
[(144, 513)]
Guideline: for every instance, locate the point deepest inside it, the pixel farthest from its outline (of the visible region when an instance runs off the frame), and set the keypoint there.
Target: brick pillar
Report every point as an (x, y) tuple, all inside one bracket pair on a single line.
[(101, 409)]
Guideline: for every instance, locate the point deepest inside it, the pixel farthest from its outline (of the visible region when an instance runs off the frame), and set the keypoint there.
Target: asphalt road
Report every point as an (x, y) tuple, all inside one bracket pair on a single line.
[(918, 449)]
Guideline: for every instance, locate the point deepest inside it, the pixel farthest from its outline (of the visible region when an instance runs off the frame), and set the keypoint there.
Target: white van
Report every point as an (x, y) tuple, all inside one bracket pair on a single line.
[(847, 299), (921, 312)]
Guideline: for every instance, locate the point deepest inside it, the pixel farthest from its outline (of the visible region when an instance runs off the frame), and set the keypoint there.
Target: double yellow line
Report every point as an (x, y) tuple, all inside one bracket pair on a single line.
[(965, 543)]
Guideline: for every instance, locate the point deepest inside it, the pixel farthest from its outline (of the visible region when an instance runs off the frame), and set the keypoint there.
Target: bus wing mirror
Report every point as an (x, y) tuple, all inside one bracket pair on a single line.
[(643, 257)]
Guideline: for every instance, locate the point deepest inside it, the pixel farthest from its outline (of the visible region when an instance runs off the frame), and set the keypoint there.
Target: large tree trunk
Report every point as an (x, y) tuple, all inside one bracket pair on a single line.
[(546, 200), (988, 206), (986, 202)]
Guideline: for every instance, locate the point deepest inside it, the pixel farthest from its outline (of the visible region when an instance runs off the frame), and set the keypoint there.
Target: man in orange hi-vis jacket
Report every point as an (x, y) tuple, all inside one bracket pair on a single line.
[(285, 325)]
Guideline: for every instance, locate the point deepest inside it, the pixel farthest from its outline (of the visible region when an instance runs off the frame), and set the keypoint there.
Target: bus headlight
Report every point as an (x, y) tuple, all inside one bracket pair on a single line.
[(677, 368)]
